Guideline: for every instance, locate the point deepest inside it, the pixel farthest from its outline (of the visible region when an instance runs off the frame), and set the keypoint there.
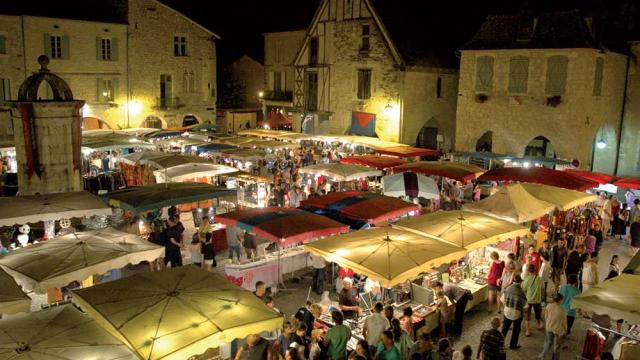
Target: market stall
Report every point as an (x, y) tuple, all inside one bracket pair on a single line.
[(192, 172), (215, 312), (408, 152), (539, 175), (357, 207), (411, 185), (448, 169), (600, 178), (251, 189), (12, 299), (512, 203), (628, 183), (616, 297), (374, 161)]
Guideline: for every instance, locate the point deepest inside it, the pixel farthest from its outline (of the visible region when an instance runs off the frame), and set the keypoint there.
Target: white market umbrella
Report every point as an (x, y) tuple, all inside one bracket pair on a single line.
[(617, 297), (58, 333), (176, 313), (340, 172), (74, 257), (190, 171), (512, 203), (12, 299), (34, 208), (162, 160), (410, 184)]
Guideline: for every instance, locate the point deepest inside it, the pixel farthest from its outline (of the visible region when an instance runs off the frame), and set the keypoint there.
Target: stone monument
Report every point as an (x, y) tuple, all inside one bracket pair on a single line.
[(48, 135)]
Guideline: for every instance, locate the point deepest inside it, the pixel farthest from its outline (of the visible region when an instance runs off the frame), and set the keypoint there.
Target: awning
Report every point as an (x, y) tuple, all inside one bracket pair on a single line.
[(244, 154), (616, 297), (12, 299), (390, 256), (563, 199), (539, 175), (408, 151), (238, 140), (600, 178), (208, 147), (512, 203), (101, 144), (190, 171), (138, 199), (163, 160), (628, 183), (452, 170), (175, 313), (462, 228), (269, 144), (284, 226), (357, 205), (410, 184), (633, 267), (374, 161), (34, 208), (340, 172)]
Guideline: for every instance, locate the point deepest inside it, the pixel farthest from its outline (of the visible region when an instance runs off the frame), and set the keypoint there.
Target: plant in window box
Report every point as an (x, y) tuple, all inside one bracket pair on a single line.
[(554, 101), (480, 98)]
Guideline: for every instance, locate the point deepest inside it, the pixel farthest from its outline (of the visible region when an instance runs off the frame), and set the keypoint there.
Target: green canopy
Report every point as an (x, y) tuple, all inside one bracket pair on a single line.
[(138, 199)]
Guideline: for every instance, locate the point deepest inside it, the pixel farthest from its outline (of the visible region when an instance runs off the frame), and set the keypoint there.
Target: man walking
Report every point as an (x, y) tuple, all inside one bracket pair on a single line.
[(514, 300), (319, 271), (556, 327), (374, 325)]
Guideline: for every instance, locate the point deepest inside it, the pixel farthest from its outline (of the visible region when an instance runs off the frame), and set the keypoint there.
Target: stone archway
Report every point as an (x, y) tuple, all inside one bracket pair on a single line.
[(94, 123), (540, 146), (190, 119), (153, 122), (485, 142), (604, 149), (428, 135)]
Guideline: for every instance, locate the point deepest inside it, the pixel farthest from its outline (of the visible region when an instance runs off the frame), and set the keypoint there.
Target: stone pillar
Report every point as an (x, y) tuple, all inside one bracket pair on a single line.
[(48, 136)]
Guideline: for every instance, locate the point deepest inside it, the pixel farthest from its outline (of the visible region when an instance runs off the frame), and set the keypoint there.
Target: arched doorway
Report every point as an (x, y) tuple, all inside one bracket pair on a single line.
[(485, 142), (540, 146), (152, 122), (604, 150), (428, 135), (189, 120), (93, 123)]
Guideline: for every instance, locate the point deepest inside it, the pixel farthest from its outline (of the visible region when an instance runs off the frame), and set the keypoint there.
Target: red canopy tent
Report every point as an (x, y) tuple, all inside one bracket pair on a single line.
[(629, 183), (361, 206), (600, 178), (408, 151), (452, 170), (539, 175), (284, 226), (374, 161), (276, 120)]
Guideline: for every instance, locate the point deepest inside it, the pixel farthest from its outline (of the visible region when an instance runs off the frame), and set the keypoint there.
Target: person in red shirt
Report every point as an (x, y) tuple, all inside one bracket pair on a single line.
[(495, 272), (535, 257)]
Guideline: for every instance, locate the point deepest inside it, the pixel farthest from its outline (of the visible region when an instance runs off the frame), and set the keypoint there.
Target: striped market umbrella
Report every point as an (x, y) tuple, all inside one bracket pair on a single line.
[(284, 226), (410, 184)]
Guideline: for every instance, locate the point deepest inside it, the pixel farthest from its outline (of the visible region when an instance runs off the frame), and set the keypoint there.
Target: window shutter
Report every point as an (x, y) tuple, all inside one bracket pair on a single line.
[(115, 87), (100, 90), (65, 47), (519, 75), (114, 49), (168, 87), (597, 81), (270, 78), (556, 75), (484, 74), (283, 86), (98, 48), (47, 45), (3, 44), (185, 82)]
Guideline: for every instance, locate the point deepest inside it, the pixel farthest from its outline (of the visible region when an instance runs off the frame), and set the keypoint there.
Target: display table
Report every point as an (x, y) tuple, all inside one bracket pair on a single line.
[(478, 291), (266, 269)]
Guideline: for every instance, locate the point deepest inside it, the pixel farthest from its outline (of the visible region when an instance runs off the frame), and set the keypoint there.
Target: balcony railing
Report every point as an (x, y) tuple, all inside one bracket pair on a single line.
[(168, 103), (278, 95)]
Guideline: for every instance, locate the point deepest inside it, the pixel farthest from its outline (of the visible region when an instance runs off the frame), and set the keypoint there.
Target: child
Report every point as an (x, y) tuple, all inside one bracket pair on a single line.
[(196, 250), (443, 305), (545, 275)]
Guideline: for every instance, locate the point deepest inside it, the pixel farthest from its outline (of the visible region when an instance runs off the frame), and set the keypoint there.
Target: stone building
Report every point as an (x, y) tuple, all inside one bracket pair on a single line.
[(135, 62), (280, 49), (368, 67), (629, 154), (250, 75), (541, 85)]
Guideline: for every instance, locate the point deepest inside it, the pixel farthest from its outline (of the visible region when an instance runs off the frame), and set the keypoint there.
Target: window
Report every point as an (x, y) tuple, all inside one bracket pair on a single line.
[(484, 74), (597, 81), (5, 90), (364, 84), (313, 51), (180, 45), (277, 81), (106, 49), (3, 44), (56, 47), (166, 90), (311, 100), (107, 90), (556, 75), (188, 82), (366, 33), (519, 75), (439, 88)]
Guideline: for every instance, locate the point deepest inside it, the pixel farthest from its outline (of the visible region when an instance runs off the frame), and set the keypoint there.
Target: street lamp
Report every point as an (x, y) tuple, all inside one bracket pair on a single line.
[(601, 144)]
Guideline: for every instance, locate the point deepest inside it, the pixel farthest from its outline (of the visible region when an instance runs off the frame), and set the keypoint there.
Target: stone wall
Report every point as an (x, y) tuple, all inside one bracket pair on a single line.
[(280, 49), (629, 158), (571, 127), (12, 68), (250, 74)]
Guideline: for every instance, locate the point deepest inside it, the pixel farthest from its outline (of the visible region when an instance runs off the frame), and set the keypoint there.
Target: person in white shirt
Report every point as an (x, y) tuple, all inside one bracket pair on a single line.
[(590, 274), (555, 327), (374, 325), (319, 272)]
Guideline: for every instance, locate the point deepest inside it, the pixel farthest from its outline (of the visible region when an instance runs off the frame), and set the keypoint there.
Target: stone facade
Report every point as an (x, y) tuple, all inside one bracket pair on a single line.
[(280, 50), (573, 126), (12, 71), (399, 96), (250, 75), (629, 155)]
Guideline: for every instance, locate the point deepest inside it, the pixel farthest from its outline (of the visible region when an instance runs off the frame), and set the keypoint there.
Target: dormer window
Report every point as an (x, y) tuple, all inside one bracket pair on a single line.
[(364, 38), (526, 28)]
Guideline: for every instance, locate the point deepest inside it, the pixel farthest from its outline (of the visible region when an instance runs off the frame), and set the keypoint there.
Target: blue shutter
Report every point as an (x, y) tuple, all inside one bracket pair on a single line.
[(484, 74), (518, 75), (556, 75), (597, 81), (98, 48), (115, 87), (114, 49), (65, 47), (100, 90), (47, 44), (3, 44)]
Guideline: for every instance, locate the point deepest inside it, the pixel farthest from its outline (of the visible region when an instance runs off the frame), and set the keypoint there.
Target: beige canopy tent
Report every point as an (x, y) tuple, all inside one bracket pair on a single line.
[(113, 141), (267, 133), (563, 199), (74, 257), (34, 208), (238, 140), (193, 170), (462, 228), (163, 160), (512, 203), (245, 154), (12, 299), (176, 313), (617, 297), (58, 333), (269, 144), (390, 256), (340, 172)]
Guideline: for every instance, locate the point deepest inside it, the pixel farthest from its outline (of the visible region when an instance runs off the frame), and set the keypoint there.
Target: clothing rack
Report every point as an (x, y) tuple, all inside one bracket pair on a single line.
[(601, 328)]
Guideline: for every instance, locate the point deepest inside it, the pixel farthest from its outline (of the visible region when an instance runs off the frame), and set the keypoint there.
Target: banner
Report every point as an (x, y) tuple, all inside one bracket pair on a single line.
[(363, 124)]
